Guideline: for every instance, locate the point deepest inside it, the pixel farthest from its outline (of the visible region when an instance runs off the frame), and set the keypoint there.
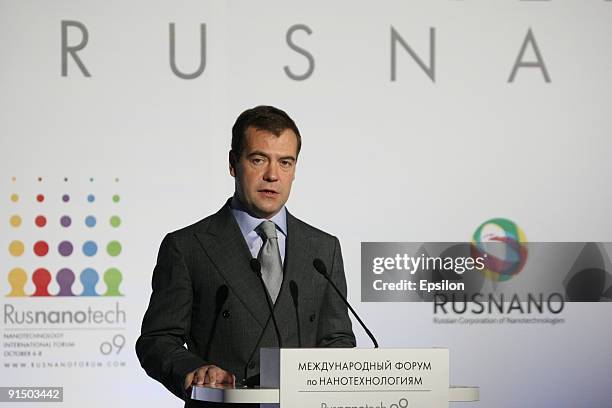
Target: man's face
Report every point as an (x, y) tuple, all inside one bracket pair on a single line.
[(265, 170)]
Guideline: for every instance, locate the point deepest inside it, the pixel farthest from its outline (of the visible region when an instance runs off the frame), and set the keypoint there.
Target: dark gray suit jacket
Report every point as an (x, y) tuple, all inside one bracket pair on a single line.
[(206, 296)]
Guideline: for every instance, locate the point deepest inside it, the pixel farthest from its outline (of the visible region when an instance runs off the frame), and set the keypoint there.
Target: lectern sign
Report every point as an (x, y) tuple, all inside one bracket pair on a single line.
[(392, 378)]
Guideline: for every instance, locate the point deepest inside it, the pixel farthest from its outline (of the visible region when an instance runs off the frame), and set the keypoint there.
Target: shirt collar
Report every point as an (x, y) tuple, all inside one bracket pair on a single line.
[(248, 223)]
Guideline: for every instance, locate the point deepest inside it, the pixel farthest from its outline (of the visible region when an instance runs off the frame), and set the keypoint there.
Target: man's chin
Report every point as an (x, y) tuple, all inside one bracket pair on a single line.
[(268, 214), (267, 211)]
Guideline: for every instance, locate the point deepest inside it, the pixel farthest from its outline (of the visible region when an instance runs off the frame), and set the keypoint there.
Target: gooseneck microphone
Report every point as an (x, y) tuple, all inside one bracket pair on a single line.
[(293, 288), (322, 269), (254, 381), (220, 298), (256, 268)]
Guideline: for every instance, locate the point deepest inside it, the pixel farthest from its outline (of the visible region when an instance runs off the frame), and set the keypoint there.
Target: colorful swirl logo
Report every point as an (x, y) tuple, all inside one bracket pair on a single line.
[(502, 245)]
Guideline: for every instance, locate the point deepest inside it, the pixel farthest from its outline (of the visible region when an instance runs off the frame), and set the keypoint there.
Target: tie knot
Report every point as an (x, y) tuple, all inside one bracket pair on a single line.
[(268, 228)]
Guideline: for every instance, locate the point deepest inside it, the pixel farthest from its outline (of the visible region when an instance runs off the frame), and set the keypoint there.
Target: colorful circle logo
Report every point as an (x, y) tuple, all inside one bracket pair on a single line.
[(46, 279), (502, 245)]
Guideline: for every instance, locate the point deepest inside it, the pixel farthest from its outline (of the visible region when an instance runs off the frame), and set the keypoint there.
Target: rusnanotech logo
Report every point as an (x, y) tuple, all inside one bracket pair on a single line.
[(45, 228), (62, 296), (503, 246)]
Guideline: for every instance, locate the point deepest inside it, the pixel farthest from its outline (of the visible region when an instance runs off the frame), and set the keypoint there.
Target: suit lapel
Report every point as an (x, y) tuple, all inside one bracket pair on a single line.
[(224, 244)]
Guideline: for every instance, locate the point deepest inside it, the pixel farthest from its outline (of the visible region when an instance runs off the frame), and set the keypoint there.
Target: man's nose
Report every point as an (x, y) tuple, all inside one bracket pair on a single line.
[(271, 173)]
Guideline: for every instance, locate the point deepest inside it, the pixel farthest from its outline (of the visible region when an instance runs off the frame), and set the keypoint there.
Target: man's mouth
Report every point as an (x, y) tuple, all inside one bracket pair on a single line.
[(268, 193)]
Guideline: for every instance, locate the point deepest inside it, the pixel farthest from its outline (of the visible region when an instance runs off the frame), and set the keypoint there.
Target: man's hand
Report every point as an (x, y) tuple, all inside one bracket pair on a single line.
[(209, 375)]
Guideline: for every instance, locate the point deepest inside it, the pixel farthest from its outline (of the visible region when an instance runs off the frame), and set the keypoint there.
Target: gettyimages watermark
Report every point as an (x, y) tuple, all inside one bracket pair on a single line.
[(505, 271)]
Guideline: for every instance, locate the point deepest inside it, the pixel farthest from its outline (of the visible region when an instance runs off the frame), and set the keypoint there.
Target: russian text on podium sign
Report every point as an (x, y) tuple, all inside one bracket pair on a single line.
[(393, 378)]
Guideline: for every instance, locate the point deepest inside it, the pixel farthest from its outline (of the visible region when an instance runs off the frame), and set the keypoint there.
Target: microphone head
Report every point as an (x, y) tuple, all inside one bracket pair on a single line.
[(320, 266), (256, 266), (221, 297), (222, 293), (294, 292)]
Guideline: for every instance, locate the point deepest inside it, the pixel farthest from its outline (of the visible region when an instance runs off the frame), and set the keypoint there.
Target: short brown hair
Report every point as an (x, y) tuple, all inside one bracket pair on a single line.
[(262, 117)]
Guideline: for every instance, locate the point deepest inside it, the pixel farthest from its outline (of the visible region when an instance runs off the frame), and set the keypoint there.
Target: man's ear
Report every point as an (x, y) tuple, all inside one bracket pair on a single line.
[(232, 163)]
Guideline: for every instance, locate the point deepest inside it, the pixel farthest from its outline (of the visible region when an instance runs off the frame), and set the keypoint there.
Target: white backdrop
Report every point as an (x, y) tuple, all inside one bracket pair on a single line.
[(409, 159)]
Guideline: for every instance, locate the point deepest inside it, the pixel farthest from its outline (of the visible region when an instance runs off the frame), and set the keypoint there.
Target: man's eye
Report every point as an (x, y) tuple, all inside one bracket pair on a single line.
[(257, 161), (286, 163)]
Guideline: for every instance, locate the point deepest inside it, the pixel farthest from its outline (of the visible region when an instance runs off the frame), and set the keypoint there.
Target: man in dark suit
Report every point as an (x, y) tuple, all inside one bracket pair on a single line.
[(205, 294)]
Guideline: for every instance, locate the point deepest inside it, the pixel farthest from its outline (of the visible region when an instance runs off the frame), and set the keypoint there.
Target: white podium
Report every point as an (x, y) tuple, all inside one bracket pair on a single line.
[(347, 377), (237, 395)]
